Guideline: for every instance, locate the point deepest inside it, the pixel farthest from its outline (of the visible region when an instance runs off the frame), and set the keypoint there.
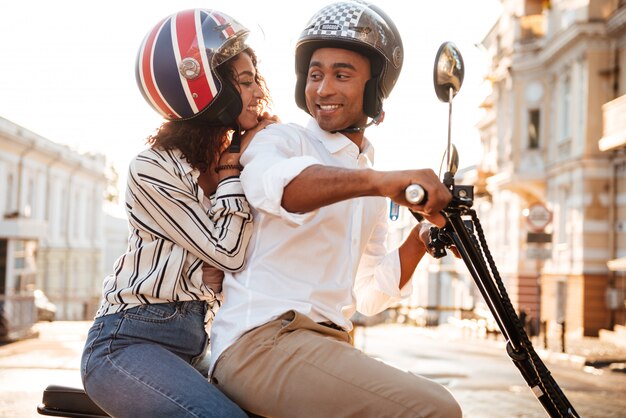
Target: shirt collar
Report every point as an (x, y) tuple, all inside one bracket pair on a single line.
[(337, 141), (184, 165), (368, 150)]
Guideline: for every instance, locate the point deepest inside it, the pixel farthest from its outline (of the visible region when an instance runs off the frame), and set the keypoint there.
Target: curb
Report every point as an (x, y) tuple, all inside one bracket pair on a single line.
[(565, 359)]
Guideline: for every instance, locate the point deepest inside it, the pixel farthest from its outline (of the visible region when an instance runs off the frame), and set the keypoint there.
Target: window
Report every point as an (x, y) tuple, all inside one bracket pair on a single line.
[(77, 212), (25, 267), (30, 199), (533, 128), (533, 7), (566, 108), (9, 197), (561, 300), (3, 265), (563, 214), (506, 222), (63, 206)]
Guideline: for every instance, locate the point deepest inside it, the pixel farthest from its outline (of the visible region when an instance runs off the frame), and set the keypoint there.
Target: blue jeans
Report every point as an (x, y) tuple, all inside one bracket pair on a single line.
[(140, 363)]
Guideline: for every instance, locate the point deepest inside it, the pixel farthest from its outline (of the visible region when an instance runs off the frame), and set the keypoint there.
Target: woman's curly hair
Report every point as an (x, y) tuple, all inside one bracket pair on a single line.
[(200, 144)]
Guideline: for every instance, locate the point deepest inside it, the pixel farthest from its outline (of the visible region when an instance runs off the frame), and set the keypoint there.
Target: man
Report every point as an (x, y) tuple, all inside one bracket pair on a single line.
[(280, 345)]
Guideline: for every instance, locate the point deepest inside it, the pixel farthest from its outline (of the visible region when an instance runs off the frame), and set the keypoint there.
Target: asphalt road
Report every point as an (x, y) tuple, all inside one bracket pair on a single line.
[(484, 380), (476, 371)]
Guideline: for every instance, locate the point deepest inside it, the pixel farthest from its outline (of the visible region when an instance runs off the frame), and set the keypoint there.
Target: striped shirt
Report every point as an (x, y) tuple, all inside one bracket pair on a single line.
[(173, 230)]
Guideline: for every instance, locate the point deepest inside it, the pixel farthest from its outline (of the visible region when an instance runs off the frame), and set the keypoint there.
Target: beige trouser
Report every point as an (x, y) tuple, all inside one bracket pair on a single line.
[(294, 367)]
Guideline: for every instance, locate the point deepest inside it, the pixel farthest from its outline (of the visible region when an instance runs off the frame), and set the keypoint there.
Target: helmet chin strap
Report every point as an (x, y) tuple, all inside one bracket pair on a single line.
[(235, 142), (355, 129)]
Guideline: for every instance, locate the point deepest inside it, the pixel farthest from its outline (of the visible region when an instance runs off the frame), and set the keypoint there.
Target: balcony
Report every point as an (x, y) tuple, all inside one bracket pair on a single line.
[(532, 27), (614, 123), (22, 228)]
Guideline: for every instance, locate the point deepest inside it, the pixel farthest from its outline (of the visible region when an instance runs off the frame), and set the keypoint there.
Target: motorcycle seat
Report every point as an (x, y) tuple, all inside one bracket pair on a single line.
[(71, 402), (63, 401)]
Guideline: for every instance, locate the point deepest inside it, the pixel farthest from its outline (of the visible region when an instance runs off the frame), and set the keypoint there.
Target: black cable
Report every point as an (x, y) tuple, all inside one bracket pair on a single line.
[(542, 373)]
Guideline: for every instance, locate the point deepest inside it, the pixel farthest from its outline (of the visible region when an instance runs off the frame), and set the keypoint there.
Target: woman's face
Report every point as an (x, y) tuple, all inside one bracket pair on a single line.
[(251, 93)]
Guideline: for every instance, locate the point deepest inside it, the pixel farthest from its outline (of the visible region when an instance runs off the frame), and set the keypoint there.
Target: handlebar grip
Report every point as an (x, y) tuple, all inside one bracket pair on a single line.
[(416, 194)]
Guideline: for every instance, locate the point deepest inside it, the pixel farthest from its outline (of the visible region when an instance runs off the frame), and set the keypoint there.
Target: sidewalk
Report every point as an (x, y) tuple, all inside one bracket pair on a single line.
[(584, 352), (579, 352), (27, 366)]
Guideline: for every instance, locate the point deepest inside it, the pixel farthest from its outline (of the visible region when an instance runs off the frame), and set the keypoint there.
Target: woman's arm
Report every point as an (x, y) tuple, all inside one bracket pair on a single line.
[(220, 239)]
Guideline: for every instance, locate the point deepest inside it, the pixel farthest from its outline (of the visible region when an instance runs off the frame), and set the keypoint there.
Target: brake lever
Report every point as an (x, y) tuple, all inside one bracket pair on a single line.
[(438, 243)]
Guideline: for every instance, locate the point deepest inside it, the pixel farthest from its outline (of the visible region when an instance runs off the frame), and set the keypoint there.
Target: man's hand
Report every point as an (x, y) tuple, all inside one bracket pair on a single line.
[(424, 231), (394, 183)]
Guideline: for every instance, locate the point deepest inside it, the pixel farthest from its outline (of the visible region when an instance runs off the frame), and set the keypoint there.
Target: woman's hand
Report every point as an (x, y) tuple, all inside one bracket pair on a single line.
[(264, 121), (228, 164)]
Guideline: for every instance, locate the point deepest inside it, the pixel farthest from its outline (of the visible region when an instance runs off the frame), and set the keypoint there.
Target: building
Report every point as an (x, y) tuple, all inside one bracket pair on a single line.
[(52, 226), (549, 188), (613, 143), (440, 290)]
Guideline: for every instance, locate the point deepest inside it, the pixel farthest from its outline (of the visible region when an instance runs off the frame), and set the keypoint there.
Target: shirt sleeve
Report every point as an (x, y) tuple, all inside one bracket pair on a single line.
[(175, 214), (274, 158), (378, 276)]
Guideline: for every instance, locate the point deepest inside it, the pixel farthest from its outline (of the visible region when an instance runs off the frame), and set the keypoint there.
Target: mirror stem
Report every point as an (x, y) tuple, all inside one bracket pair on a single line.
[(451, 95)]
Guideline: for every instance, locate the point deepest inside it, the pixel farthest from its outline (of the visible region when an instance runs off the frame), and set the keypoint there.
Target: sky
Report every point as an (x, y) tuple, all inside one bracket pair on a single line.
[(67, 72)]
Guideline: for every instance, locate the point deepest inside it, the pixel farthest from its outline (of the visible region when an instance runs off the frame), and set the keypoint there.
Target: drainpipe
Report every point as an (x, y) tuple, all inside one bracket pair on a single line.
[(20, 175), (47, 217), (618, 158), (68, 246), (615, 69)]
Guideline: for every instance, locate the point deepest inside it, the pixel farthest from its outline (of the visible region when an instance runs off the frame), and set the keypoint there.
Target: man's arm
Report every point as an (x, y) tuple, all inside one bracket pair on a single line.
[(318, 186), (377, 283), (412, 250)]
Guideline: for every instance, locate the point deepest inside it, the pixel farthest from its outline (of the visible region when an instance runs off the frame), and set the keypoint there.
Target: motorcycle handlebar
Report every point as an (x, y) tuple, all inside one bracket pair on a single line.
[(415, 194)]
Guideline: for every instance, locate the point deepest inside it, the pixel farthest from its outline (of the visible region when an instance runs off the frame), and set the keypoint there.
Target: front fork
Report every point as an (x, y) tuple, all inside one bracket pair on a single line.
[(441, 238)]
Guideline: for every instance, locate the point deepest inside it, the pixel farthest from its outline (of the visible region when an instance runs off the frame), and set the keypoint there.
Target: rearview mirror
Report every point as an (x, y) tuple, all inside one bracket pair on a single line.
[(448, 72)]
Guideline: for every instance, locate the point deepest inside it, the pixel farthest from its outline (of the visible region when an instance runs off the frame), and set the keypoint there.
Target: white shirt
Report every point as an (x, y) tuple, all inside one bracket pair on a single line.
[(174, 229), (325, 264)]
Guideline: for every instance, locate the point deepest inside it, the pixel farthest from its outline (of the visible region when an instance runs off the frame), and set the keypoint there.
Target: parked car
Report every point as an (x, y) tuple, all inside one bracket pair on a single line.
[(46, 310)]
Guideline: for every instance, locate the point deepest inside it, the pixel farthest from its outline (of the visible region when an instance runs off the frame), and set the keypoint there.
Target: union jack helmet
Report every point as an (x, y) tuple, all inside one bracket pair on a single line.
[(361, 27), (177, 61)]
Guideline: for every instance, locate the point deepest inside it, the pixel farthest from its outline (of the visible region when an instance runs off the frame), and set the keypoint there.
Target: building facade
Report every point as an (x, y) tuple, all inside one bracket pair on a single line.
[(441, 289), (52, 231), (613, 144), (553, 67)]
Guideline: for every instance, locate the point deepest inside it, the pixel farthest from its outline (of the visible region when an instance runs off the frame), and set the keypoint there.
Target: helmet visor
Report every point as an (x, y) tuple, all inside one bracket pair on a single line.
[(222, 37)]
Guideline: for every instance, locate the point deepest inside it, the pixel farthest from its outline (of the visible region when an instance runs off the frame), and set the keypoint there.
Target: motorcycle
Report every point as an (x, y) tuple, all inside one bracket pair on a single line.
[(462, 231)]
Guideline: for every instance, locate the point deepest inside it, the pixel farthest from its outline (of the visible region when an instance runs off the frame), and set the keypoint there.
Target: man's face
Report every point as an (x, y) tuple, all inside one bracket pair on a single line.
[(334, 88)]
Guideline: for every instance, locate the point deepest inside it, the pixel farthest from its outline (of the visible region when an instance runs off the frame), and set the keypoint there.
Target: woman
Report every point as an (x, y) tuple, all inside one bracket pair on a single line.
[(188, 221)]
